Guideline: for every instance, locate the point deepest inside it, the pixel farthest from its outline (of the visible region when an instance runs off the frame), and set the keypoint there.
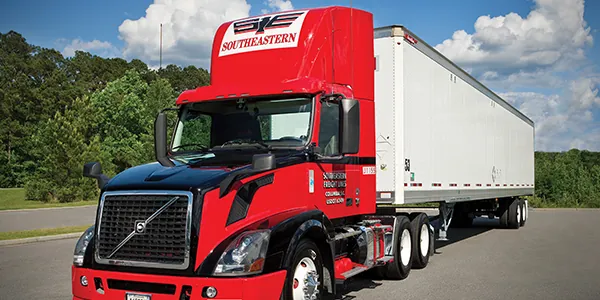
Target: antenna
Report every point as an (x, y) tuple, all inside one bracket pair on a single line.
[(160, 51)]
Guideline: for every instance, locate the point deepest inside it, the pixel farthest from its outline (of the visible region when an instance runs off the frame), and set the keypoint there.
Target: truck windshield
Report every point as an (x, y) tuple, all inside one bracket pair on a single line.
[(253, 123)]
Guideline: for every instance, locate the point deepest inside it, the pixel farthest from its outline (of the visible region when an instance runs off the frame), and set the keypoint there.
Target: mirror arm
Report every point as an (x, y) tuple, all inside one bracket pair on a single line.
[(160, 141), (102, 180), (94, 170)]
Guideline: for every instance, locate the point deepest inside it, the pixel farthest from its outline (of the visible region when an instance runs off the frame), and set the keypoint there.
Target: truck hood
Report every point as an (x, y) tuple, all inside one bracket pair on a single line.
[(153, 176)]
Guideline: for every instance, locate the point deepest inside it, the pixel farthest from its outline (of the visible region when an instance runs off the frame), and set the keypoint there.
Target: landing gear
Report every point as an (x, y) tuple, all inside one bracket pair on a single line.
[(307, 273), (446, 212)]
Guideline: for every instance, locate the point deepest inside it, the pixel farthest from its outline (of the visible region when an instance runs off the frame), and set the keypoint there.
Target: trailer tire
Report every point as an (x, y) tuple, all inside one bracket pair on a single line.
[(307, 257), (523, 207), (503, 213), (400, 267), (513, 213), (422, 240)]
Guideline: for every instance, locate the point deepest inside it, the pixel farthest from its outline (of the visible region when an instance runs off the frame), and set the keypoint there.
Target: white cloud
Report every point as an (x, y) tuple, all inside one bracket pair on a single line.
[(521, 79), (562, 121), (104, 49), (543, 51), (279, 5), (188, 29), (552, 35)]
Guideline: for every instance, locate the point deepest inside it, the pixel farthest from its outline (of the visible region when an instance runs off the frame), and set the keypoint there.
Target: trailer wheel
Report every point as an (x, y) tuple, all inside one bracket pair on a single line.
[(513, 214), (305, 278), (523, 209), (400, 267), (526, 209), (503, 213), (422, 240)]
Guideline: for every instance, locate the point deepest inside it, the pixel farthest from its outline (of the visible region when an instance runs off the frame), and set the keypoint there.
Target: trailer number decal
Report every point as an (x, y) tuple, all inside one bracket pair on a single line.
[(407, 165), (368, 170), (272, 31)]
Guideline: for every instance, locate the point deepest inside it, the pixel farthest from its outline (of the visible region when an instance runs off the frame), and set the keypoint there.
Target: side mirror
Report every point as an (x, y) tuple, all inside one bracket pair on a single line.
[(160, 140), (263, 162), (94, 170), (350, 126)]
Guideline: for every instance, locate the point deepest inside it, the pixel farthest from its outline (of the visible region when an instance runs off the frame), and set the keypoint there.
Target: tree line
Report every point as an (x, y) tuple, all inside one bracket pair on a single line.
[(56, 113), (567, 179)]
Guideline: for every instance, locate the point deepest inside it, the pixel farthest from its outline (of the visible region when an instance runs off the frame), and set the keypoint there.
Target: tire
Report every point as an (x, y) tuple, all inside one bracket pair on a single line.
[(422, 240), (503, 213), (400, 267), (526, 210), (513, 213), (523, 207), (306, 263)]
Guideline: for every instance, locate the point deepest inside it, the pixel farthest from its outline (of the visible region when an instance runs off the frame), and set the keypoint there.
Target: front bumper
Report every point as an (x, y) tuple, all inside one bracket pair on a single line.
[(262, 287)]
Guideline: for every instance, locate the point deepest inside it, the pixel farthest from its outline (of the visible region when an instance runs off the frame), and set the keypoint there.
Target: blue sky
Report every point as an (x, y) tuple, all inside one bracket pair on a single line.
[(541, 55)]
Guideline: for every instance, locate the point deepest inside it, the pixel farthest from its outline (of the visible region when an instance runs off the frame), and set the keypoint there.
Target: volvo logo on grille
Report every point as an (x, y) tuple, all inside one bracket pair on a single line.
[(140, 226)]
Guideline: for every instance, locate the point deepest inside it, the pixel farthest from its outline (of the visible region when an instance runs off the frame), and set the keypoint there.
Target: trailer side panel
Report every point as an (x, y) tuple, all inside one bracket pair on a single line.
[(460, 141)]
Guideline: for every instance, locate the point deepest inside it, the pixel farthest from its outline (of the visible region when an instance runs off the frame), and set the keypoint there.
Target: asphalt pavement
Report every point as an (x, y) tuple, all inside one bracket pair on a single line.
[(555, 256), (29, 219)]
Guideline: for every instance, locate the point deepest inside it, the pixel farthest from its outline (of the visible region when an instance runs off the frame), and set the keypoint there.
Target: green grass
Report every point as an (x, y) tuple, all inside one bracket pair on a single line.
[(11, 235), (15, 199)]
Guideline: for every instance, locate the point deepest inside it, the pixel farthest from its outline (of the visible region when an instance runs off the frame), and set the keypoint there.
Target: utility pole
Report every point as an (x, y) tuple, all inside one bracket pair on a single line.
[(160, 53)]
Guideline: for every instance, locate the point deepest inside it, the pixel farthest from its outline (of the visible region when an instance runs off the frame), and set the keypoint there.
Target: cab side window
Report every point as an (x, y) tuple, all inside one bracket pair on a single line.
[(330, 129)]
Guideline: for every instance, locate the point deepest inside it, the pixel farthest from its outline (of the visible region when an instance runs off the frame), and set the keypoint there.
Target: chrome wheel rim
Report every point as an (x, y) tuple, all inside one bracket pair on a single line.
[(424, 240), (306, 283), (405, 247)]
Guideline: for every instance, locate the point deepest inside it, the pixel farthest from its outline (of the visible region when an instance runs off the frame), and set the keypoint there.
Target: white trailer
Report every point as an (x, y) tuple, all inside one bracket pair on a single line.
[(441, 135)]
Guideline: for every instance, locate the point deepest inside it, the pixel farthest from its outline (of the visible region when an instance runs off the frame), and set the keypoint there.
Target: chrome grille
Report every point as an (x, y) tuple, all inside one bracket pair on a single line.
[(146, 229)]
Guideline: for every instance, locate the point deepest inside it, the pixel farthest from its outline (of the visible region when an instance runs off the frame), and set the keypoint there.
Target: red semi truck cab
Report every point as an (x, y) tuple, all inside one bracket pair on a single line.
[(265, 189)]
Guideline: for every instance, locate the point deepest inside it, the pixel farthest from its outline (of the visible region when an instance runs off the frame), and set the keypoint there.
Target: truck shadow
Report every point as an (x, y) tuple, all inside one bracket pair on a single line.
[(455, 235)]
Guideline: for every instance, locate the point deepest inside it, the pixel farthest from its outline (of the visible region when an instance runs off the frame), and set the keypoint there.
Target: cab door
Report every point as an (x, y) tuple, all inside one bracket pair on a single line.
[(336, 176)]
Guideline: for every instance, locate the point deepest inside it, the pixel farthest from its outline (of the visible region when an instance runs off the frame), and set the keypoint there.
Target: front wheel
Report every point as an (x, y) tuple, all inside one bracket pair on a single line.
[(305, 279)]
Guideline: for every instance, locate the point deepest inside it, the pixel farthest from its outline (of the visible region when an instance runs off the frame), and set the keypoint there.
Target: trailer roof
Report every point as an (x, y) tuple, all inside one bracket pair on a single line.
[(400, 30)]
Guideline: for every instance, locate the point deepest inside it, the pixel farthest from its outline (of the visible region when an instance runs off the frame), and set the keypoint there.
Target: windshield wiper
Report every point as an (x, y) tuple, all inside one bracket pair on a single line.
[(202, 147), (246, 141)]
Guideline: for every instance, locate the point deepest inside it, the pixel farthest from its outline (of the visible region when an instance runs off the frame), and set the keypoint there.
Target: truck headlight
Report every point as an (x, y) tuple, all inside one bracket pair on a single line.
[(245, 255), (81, 246)]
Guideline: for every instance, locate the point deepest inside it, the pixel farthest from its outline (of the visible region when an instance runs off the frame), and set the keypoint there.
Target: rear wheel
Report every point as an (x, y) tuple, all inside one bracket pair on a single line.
[(523, 207), (514, 213), (422, 240), (400, 267), (305, 278)]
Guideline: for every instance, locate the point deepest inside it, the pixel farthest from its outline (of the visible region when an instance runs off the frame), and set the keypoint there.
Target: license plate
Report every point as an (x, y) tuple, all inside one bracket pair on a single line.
[(130, 296)]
